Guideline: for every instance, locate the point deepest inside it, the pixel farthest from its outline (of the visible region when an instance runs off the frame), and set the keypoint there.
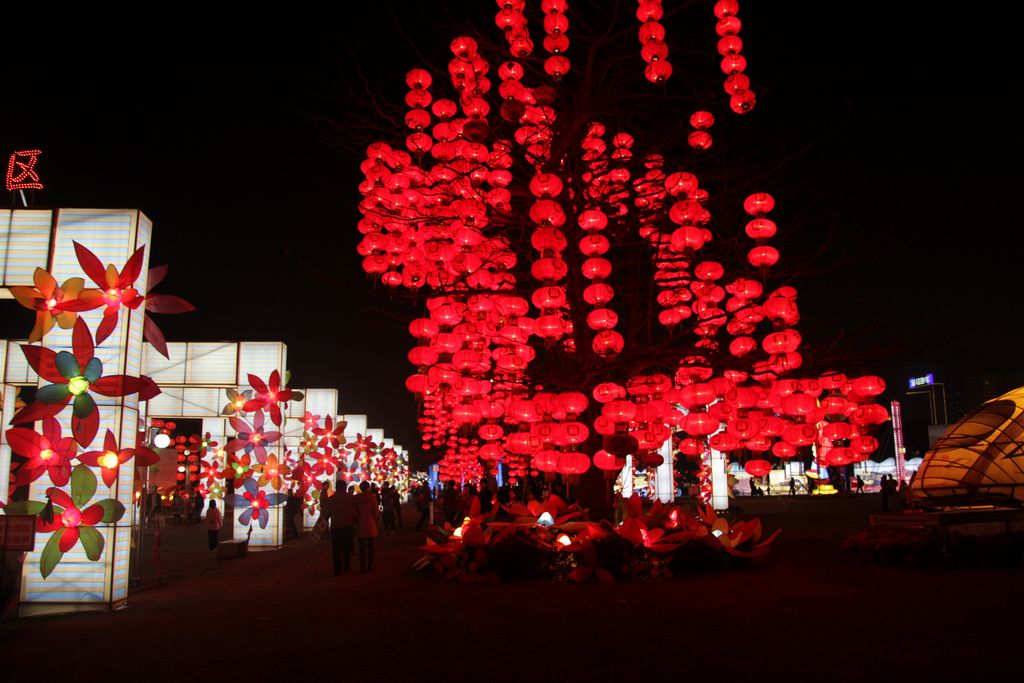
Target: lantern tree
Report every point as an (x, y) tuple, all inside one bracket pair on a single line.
[(588, 296)]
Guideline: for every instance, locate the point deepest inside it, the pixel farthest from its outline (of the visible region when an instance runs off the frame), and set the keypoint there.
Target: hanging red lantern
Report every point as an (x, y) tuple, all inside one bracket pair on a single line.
[(763, 256), (604, 460), (757, 468), (783, 449)]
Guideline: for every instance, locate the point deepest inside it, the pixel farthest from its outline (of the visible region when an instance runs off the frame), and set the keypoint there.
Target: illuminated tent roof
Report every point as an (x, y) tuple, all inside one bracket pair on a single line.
[(980, 458)]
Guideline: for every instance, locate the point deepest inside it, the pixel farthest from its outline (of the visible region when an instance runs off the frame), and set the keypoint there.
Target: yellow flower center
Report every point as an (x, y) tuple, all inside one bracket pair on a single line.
[(46, 453), (78, 385), (108, 460)]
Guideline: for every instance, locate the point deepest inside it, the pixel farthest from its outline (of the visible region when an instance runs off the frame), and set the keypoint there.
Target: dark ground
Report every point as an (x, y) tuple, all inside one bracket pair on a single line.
[(805, 613)]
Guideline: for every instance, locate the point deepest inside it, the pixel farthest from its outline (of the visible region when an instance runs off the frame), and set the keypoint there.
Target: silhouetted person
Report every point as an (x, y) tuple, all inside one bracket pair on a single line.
[(367, 513), (214, 520), (340, 508), (860, 484), (886, 492), (792, 486), (423, 505)]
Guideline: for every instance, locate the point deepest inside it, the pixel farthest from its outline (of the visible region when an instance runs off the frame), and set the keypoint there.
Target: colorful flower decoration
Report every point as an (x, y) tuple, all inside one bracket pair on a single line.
[(271, 395), (236, 402), (256, 503), (160, 303), (109, 459), (252, 439), (239, 468), (116, 288), (71, 521), (48, 453), (272, 472), (331, 434), (54, 304), (326, 464), (74, 375), (211, 472)]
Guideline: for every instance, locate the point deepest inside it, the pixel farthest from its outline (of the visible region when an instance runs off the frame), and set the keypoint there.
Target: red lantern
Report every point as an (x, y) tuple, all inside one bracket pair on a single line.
[(757, 468)]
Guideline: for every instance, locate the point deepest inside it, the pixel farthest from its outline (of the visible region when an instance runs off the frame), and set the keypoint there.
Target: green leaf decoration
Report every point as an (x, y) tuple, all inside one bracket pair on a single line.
[(231, 394), (92, 541), (83, 406), (287, 377), (113, 510), (24, 507), (67, 365), (83, 485), (93, 369), (53, 393), (51, 553)]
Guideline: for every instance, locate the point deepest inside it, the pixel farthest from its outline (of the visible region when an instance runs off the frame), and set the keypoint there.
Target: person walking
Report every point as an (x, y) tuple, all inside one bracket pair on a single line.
[(340, 509), (792, 486), (397, 503), (366, 513), (214, 521), (860, 484), (423, 505), (388, 503)]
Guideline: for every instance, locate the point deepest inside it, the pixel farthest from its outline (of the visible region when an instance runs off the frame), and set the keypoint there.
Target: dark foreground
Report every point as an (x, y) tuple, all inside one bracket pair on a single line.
[(805, 613)]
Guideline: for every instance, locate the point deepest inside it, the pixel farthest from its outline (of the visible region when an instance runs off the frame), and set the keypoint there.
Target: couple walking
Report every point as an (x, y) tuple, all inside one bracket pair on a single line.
[(351, 516)]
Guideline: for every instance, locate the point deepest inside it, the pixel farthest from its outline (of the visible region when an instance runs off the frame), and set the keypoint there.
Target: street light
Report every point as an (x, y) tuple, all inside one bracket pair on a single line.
[(154, 438)]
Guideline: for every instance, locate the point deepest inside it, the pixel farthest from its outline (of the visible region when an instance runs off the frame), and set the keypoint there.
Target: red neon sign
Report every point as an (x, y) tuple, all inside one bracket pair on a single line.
[(21, 171)]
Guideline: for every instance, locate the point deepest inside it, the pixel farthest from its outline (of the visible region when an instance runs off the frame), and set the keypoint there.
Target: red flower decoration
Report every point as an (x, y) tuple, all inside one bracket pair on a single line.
[(331, 435), (48, 452), (109, 459), (211, 472), (271, 396), (326, 463), (117, 288), (74, 375), (238, 467)]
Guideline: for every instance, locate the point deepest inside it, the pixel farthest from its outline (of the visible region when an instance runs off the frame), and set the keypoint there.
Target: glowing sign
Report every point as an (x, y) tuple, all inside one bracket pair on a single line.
[(21, 171), (925, 381)]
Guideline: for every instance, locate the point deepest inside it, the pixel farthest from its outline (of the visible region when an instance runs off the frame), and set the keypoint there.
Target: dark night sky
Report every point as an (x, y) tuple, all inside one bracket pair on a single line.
[(899, 149)]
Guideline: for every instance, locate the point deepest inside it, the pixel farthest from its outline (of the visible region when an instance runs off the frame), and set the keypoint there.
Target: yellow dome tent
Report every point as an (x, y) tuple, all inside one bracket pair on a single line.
[(980, 459)]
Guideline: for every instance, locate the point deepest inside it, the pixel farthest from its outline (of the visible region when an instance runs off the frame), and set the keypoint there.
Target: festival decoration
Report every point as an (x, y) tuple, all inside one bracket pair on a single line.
[(54, 304), (71, 519), (48, 453), (236, 401), (555, 540), (116, 287), (109, 459), (73, 376), (255, 503), (251, 439), (511, 210), (270, 396)]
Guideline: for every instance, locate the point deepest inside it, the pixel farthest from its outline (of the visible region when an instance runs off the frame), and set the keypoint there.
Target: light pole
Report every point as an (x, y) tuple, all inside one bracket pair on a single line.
[(154, 438)]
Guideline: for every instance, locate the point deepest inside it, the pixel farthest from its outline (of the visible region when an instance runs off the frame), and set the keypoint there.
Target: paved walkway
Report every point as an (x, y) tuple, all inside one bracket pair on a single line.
[(802, 614)]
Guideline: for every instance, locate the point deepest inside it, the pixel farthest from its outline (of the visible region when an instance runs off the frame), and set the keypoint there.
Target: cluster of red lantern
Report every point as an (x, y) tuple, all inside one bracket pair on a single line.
[(730, 46), (653, 48), (456, 221), (555, 42), (700, 138), (512, 21)]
